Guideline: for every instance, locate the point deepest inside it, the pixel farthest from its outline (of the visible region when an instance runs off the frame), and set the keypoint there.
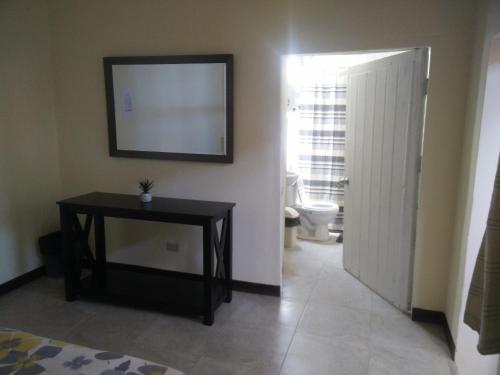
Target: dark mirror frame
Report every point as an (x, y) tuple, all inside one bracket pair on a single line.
[(226, 59)]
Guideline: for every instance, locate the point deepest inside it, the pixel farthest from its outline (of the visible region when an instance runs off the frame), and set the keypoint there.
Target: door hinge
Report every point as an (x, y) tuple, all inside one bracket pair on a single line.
[(426, 86)]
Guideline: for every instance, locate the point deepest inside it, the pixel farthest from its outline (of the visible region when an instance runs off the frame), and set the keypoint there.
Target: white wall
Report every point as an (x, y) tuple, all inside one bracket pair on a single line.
[(476, 91), (480, 153), (468, 360), (29, 169), (259, 33)]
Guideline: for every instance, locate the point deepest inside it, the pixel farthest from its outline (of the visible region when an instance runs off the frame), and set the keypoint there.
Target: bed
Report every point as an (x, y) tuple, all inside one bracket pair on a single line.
[(23, 353)]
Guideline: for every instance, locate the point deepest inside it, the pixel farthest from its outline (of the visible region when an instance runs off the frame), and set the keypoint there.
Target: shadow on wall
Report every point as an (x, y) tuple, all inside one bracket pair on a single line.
[(23, 218), (29, 168), (469, 361), (152, 244)]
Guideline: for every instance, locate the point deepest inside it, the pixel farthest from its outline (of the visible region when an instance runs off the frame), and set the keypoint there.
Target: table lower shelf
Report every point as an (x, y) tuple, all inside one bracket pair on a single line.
[(154, 289)]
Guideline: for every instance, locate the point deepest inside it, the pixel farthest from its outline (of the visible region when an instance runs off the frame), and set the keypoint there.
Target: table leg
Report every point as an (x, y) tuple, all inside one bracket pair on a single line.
[(228, 256), (100, 250), (69, 256), (208, 268)]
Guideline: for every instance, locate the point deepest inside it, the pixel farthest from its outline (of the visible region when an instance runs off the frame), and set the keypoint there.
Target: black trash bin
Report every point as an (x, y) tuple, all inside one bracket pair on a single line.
[(51, 250)]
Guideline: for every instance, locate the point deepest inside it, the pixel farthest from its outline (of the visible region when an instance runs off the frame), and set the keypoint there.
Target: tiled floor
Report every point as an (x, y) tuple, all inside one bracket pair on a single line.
[(326, 323)]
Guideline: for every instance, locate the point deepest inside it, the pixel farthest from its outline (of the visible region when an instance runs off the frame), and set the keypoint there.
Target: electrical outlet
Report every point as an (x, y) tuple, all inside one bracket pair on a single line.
[(171, 246)]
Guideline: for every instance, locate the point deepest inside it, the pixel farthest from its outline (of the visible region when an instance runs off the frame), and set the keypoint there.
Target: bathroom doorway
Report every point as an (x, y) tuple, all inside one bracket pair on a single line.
[(354, 125)]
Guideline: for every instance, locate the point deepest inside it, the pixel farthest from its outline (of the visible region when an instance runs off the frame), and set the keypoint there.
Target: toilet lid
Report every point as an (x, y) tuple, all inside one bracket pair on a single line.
[(321, 206), (290, 213)]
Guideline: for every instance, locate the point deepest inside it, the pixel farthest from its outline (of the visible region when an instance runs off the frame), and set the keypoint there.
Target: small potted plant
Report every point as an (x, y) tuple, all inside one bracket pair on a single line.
[(146, 185)]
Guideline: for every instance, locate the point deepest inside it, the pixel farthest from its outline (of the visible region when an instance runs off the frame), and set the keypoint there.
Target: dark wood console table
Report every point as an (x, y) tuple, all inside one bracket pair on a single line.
[(178, 291)]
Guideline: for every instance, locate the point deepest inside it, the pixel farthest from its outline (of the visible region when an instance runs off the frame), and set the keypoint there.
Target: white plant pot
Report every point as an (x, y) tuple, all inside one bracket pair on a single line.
[(146, 197)]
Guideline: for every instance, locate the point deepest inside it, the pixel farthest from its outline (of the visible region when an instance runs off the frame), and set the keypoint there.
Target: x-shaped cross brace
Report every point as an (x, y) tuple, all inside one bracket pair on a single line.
[(82, 237), (219, 245)]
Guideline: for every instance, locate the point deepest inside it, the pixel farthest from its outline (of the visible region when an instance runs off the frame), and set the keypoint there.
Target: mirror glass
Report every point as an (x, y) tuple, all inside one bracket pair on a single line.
[(169, 110)]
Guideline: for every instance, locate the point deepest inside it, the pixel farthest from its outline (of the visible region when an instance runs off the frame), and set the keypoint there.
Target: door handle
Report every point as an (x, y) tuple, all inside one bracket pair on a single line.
[(343, 181)]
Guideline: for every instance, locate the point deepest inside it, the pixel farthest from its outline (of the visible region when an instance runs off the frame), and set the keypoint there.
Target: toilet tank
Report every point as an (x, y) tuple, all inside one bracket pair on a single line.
[(291, 189)]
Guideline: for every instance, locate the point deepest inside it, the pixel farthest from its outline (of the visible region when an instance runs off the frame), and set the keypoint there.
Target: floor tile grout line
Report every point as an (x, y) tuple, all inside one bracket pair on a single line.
[(312, 278), (316, 281)]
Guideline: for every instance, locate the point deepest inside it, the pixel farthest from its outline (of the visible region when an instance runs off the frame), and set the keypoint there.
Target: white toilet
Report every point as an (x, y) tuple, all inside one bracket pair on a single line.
[(314, 215), (314, 220)]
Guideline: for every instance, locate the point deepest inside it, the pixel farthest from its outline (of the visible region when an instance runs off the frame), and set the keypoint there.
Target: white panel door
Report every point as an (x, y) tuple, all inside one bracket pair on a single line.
[(385, 107)]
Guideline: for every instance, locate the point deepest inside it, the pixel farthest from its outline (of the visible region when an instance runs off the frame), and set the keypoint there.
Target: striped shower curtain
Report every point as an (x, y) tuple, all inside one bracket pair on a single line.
[(321, 120)]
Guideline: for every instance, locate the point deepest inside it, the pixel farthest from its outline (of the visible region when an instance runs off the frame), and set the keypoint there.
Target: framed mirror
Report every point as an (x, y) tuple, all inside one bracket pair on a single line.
[(170, 107)]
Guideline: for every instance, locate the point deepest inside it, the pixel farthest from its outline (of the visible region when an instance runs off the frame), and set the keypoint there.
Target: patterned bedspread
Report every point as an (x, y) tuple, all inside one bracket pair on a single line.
[(22, 353)]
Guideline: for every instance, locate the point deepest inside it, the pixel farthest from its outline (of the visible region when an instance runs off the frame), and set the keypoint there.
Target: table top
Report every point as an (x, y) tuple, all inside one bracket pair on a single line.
[(126, 203)]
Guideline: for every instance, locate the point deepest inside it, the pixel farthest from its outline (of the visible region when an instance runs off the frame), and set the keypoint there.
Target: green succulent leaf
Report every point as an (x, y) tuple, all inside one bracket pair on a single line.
[(146, 185)]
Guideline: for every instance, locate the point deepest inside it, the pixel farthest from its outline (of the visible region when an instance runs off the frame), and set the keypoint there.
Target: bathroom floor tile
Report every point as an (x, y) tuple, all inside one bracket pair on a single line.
[(326, 322), (397, 360), (335, 322), (405, 333), (310, 354), (210, 366), (341, 290), (298, 288), (261, 311)]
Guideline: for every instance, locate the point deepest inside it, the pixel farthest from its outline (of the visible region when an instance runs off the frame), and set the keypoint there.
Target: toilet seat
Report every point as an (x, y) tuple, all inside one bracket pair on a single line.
[(321, 206)]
